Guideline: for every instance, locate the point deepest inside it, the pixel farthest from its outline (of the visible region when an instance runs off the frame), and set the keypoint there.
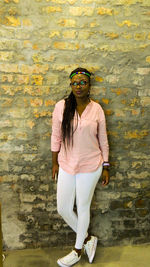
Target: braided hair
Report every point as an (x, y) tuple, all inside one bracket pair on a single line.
[(69, 112)]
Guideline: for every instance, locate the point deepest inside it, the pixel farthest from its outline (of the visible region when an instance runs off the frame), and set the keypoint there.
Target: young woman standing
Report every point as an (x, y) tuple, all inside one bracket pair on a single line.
[(80, 153)]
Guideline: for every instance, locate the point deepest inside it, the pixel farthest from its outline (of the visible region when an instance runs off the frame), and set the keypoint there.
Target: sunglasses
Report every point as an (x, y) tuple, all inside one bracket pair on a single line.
[(81, 83)]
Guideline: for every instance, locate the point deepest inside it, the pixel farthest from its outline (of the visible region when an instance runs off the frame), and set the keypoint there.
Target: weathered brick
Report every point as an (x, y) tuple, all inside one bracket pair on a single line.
[(6, 56), (136, 134), (81, 11), (36, 102), (27, 69), (36, 90), (39, 47), (69, 34), (66, 46), (51, 9), (12, 21), (104, 11), (67, 23), (9, 68), (145, 101)]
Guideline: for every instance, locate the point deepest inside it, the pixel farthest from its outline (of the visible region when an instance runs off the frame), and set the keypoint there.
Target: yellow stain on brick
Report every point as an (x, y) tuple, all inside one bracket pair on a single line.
[(119, 113), (135, 112), (140, 36), (37, 102), (27, 43), (15, 1), (112, 35), (35, 47), (10, 90), (105, 101), (49, 102), (7, 103), (134, 101), (94, 24), (36, 90), (81, 11), (113, 133), (128, 23), (37, 68), (108, 112), (52, 9), (123, 101), (119, 91), (65, 46), (99, 79), (148, 37), (6, 56), (127, 35), (104, 11), (136, 134), (30, 124), (148, 59), (12, 21), (22, 136), (27, 22), (7, 78), (42, 114), (12, 11), (37, 58), (37, 79), (67, 22), (69, 34), (54, 34)]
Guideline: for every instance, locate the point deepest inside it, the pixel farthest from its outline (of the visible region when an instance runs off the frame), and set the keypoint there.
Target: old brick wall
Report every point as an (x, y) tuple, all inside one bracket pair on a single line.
[(41, 42)]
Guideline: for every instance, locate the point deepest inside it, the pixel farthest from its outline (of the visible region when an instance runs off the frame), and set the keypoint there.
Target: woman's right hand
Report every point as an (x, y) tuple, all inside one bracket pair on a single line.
[(55, 169)]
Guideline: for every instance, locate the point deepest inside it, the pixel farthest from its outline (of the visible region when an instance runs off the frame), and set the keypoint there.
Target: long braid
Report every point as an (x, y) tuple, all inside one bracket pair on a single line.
[(68, 115), (69, 112)]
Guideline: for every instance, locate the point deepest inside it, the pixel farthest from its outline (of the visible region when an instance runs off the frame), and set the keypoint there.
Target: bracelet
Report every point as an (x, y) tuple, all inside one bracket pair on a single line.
[(105, 164)]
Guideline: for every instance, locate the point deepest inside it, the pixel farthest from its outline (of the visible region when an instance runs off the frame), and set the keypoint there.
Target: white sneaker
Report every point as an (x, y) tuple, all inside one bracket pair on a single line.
[(69, 260), (90, 248)]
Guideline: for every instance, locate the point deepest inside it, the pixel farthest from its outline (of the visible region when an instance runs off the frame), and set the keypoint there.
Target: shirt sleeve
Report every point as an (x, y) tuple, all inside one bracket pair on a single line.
[(56, 130), (102, 136)]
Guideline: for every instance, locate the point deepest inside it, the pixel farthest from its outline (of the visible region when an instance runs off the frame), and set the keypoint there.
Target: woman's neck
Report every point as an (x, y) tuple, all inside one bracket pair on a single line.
[(82, 101)]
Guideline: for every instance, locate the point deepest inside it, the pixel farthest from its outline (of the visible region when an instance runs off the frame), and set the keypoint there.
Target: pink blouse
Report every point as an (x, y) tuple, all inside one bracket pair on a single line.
[(90, 145)]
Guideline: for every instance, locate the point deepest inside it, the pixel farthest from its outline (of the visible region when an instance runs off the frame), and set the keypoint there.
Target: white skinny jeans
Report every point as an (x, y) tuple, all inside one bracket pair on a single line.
[(81, 186)]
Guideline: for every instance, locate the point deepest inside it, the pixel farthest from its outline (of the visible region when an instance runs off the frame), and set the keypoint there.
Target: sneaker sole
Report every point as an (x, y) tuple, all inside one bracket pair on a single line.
[(94, 250), (64, 265), (61, 264)]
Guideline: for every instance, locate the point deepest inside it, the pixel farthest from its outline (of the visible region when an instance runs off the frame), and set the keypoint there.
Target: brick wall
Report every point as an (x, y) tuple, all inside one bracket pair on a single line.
[(41, 42)]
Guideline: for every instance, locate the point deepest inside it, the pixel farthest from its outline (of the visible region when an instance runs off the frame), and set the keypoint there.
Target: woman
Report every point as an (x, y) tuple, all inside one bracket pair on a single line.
[(79, 156)]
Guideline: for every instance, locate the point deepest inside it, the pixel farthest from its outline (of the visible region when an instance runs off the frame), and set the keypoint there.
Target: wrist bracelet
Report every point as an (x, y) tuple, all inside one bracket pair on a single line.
[(105, 164)]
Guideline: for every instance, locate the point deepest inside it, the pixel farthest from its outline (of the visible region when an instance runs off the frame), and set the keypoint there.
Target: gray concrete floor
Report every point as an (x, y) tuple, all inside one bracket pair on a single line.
[(127, 256)]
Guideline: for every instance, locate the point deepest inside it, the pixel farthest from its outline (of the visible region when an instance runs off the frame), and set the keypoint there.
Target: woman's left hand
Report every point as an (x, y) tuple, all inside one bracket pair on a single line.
[(105, 177)]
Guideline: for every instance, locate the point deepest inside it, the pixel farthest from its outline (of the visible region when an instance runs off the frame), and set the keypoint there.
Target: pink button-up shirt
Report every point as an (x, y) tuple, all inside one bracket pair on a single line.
[(90, 145)]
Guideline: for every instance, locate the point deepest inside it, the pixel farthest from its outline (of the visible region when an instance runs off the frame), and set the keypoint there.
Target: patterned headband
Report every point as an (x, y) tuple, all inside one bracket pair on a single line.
[(80, 72)]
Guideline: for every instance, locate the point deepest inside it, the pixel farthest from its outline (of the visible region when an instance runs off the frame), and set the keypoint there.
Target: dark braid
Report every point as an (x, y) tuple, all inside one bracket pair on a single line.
[(68, 115)]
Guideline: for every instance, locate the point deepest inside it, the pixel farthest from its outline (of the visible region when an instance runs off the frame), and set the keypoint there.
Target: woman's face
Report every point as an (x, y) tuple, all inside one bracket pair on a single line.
[(80, 85)]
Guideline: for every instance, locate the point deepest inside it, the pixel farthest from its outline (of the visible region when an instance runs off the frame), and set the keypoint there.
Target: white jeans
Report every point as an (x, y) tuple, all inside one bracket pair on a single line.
[(81, 186)]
